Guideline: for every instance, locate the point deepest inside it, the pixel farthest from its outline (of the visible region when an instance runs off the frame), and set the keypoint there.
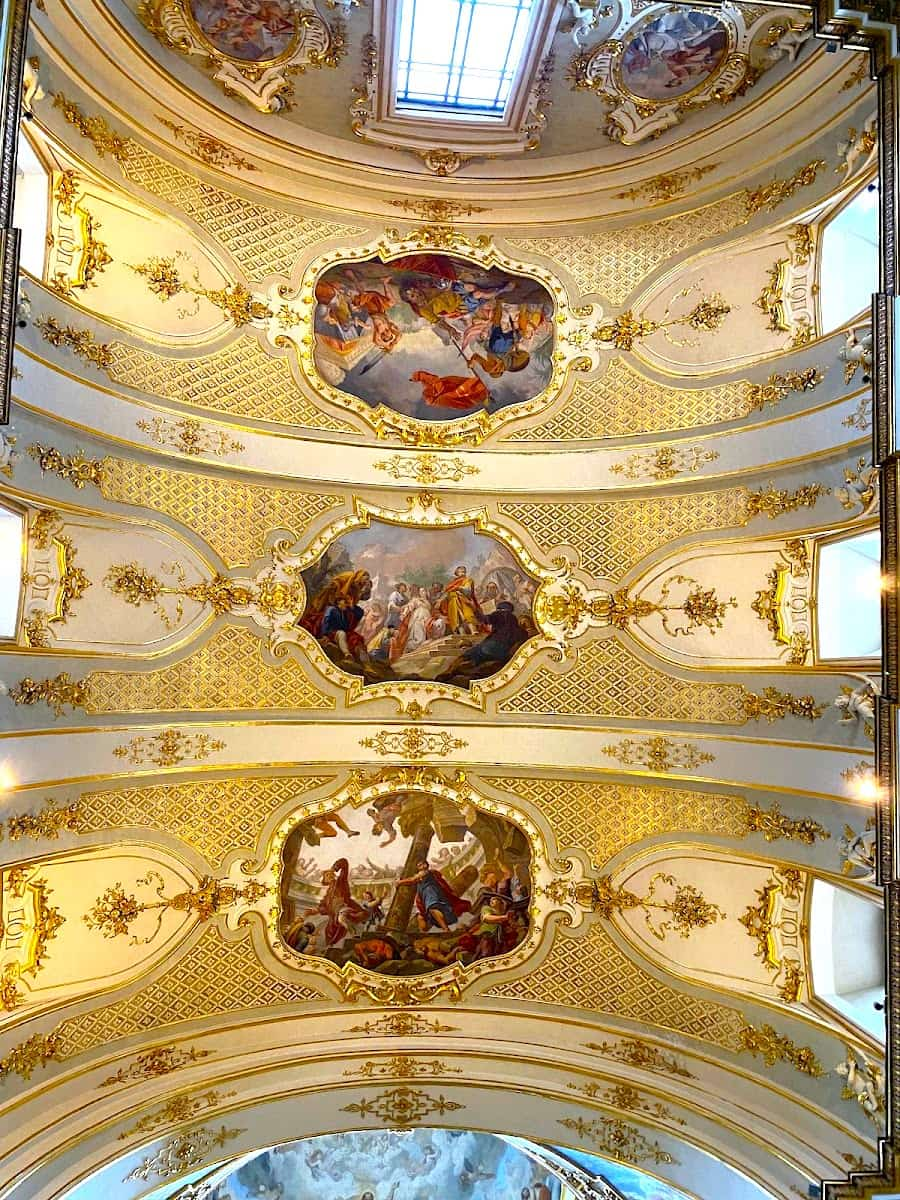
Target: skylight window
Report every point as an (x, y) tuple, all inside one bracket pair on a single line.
[(460, 56)]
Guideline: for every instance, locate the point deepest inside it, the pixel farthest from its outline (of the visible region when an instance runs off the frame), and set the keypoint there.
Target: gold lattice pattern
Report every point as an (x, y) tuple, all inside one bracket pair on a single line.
[(212, 978), (612, 536), (264, 241), (233, 518), (614, 263), (214, 816), (213, 679), (608, 680), (604, 818), (622, 402), (594, 974), (240, 380)]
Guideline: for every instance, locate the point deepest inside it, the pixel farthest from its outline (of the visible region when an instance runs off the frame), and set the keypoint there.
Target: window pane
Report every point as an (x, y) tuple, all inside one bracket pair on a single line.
[(10, 570), (850, 260), (849, 598), (460, 55)]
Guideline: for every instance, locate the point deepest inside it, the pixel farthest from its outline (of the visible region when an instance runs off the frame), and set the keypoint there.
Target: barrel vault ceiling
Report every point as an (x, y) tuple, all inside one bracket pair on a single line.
[(386, 493)]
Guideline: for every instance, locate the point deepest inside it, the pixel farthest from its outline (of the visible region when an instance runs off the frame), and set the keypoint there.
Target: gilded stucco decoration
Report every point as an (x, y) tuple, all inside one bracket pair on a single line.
[(622, 401), (550, 323), (732, 49), (614, 263), (604, 818), (608, 680), (775, 922), (250, 58), (594, 974), (617, 1140), (235, 519), (207, 815), (784, 603), (211, 978), (29, 922), (182, 1152), (262, 240)]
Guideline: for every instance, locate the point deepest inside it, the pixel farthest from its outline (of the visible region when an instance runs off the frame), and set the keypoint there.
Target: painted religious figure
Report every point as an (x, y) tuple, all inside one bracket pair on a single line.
[(673, 54), (406, 886), (387, 1164), (388, 603), (432, 336), (250, 30)]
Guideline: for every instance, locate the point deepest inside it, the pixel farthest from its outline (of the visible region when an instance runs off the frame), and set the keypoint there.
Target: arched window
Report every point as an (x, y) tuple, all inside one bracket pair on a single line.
[(848, 599), (11, 546), (846, 941), (31, 207), (848, 270)]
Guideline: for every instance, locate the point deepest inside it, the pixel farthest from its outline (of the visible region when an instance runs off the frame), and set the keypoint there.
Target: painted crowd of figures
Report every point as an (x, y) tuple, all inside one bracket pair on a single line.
[(433, 336), (368, 888), (462, 627)]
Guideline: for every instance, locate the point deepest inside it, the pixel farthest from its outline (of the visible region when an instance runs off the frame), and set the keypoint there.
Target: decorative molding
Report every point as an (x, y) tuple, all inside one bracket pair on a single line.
[(36, 1051), (176, 1111), (779, 385), (60, 692), (635, 1052), (775, 923), (206, 148), (169, 748), (658, 754), (401, 1066), (402, 1024), (686, 909), (190, 436), (264, 84), (48, 823), (178, 1155), (769, 196), (413, 743), (668, 186), (437, 211), (627, 1098), (73, 468), (774, 1047), (115, 911), (774, 705), (775, 502), (615, 1139), (774, 825), (665, 462), (426, 469), (154, 1063), (402, 1107)]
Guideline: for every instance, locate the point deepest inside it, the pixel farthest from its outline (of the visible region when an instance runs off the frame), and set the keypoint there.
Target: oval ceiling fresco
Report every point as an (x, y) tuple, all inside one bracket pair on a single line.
[(246, 29), (432, 336), (393, 603), (411, 884), (673, 53)]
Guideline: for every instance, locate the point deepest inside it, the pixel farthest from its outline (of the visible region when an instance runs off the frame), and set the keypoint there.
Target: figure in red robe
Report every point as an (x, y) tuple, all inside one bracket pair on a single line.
[(436, 901), (451, 391), (337, 904)]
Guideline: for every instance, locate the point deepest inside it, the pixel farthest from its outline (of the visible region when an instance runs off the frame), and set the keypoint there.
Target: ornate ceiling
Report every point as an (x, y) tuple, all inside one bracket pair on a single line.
[(421, 713)]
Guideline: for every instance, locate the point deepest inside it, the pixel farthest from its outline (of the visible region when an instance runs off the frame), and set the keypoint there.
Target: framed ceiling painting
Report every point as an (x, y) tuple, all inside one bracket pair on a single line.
[(433, 337), (251, 47)]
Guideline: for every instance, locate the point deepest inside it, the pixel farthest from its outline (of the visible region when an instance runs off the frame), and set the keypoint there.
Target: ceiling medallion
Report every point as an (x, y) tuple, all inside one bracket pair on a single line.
[(409, 886), (432, 336), (419, 604), (677, 60), (251, 56)]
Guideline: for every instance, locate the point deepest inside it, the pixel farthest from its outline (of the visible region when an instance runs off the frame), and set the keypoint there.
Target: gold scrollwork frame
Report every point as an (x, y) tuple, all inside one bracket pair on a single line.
[(261, 82), (633, 118), (474, 428), (555, 618), (354, 981)]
